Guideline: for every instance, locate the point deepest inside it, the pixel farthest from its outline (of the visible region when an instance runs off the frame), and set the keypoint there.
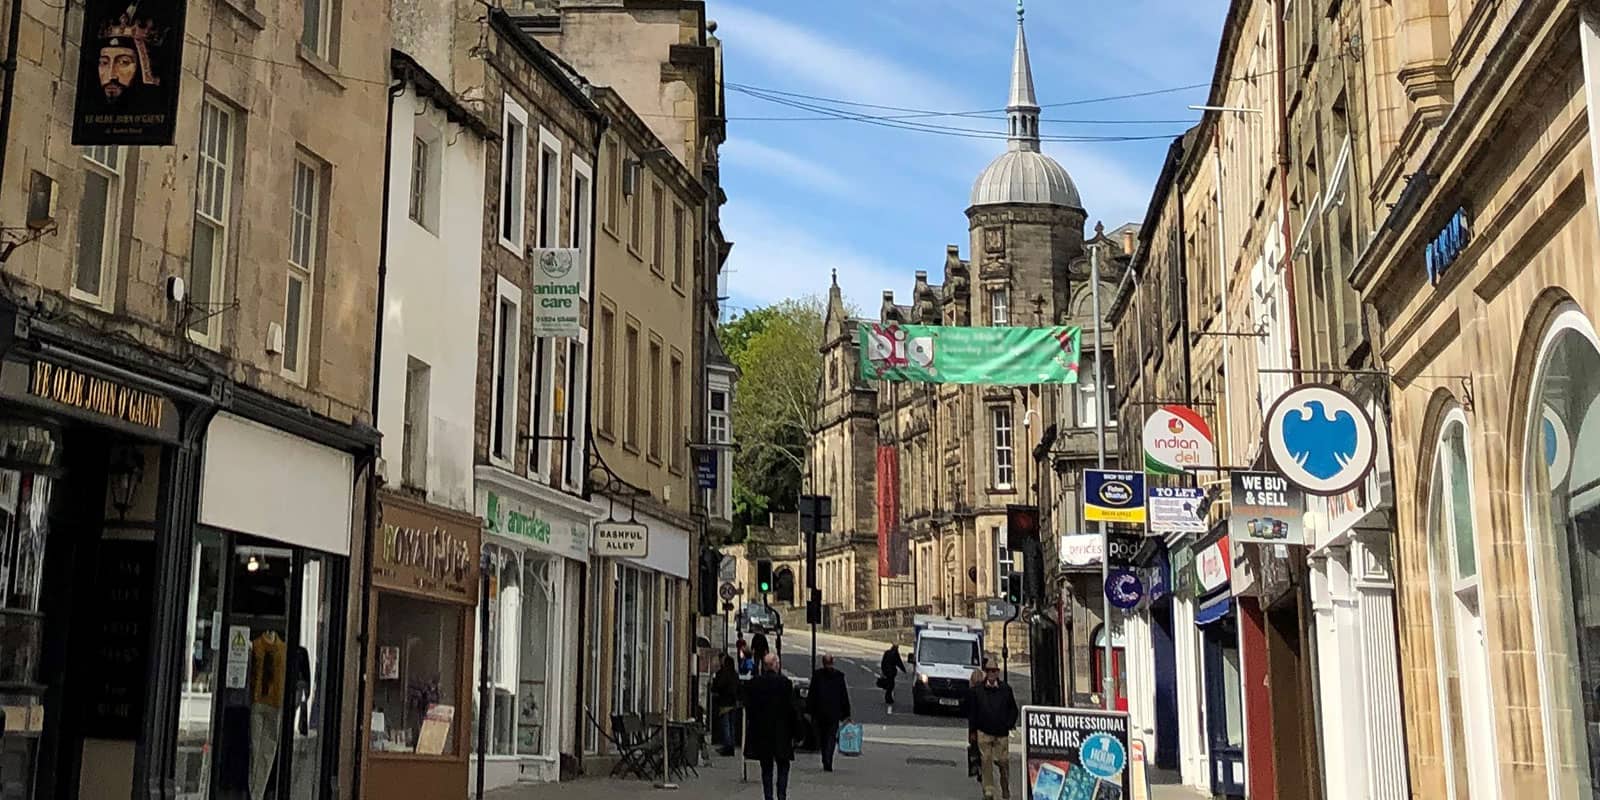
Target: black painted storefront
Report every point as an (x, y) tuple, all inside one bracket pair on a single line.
[(101, 445)]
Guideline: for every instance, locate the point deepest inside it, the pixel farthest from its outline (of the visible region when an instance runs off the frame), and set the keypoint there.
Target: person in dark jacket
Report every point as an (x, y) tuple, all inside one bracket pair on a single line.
[(759, 650), (771, 721), (829, 704), (892, 665), (991, 716), (725, 702)]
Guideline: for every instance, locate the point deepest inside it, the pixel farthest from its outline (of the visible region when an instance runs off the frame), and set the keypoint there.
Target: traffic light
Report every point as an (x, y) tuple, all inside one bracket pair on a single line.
[(1022, 527), (764, 576)]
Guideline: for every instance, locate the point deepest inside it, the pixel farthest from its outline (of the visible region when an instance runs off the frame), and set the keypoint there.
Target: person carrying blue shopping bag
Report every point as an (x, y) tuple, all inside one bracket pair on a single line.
[(829, 705), (850, 736)]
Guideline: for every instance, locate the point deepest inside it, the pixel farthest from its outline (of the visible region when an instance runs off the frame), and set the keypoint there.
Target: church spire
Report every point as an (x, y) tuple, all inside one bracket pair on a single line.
[(1022, 111)]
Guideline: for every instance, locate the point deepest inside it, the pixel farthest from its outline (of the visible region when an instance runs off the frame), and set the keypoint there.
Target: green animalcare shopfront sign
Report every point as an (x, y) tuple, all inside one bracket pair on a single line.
[(994, 356), (509, 522)]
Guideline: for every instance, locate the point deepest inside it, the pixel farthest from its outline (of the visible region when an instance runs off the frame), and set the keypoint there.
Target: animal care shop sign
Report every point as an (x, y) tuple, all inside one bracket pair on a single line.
[(992, 356), (558, 277), (1075, 754)]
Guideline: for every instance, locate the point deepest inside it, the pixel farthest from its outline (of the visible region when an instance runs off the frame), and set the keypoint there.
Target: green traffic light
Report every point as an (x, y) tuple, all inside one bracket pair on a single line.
[(765, 588)]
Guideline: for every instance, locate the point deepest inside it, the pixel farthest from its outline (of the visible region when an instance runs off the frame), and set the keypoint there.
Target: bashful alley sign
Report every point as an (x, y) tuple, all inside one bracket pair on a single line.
[(996, 356)]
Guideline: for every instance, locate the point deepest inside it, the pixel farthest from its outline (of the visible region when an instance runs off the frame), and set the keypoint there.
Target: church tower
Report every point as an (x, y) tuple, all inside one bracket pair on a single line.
[(1026, 219)]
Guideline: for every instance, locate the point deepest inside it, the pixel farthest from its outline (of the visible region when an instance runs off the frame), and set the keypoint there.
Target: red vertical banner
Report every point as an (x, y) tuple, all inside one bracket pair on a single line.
[(888, 477)]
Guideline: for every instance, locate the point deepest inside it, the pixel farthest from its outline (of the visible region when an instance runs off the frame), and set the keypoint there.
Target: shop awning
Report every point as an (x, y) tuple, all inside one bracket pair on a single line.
[(1213, 609)]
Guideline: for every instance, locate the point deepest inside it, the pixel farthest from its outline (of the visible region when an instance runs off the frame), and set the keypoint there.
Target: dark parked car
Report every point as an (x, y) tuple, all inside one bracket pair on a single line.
[(758, 618)]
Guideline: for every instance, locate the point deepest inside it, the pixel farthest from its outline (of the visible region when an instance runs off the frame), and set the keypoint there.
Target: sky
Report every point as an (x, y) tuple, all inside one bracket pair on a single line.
[(807, 196)]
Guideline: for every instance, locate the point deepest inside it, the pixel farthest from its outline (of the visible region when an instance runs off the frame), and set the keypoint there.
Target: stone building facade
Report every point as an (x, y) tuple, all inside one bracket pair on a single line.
[(180, 320), (921, 474)]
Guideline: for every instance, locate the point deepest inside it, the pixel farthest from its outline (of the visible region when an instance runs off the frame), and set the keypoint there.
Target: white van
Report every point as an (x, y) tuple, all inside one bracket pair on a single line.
[(948, 649)]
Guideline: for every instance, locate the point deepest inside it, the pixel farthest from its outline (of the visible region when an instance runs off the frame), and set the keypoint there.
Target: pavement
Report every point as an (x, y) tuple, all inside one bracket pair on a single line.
[(905, 755)]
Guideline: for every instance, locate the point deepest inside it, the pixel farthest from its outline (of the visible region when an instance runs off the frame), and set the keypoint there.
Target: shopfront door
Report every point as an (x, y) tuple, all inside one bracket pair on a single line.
[(1224, 706)]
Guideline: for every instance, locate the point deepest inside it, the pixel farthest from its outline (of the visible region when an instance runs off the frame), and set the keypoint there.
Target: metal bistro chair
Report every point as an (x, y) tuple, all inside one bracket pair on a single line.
[(646, 746), (630, 756)]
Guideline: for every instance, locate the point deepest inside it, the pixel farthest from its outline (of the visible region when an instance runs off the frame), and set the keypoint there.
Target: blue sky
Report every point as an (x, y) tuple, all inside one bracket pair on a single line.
[(805, 197)]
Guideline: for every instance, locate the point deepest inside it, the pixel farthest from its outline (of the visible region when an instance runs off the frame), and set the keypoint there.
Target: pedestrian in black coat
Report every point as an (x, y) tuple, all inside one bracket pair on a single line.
[(771, 722), (892, 665), (829, 704)]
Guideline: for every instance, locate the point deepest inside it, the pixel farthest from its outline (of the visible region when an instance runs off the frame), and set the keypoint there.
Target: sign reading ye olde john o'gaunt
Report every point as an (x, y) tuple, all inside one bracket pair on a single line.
[(71, 392)]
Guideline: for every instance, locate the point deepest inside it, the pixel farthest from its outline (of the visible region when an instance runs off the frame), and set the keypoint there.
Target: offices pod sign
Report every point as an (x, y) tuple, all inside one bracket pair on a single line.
[(1176, 439), (1321, 439)]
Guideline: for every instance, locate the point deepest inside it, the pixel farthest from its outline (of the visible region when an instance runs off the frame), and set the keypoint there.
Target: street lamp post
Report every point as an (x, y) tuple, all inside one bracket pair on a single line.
[(1107, 681)]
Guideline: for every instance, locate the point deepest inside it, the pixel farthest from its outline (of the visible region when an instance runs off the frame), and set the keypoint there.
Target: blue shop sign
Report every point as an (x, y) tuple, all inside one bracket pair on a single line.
[(705, 469)]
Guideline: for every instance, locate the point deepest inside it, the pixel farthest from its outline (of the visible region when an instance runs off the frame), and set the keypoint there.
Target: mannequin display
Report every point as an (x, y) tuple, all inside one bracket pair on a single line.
[(269, 655)]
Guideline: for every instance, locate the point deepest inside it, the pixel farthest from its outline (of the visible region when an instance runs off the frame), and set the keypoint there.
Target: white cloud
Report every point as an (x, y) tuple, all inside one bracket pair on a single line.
[(808, 59), (780, 163), (776, 256)]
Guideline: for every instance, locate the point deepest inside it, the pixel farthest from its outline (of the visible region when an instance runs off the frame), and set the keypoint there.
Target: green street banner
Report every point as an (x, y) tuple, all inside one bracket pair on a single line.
[(997, 356)]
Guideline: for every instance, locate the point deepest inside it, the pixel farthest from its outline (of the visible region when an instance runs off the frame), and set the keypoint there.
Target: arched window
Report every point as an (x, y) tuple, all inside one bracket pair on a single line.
[(1561, 490), (1458, 616), (783, 586)]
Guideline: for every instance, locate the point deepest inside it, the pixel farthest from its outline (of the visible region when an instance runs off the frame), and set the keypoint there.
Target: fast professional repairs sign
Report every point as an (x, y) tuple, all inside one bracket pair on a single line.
[(1075, 754)]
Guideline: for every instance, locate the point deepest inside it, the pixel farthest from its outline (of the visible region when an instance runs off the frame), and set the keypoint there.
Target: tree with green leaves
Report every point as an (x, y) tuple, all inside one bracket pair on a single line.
[(778, 351)]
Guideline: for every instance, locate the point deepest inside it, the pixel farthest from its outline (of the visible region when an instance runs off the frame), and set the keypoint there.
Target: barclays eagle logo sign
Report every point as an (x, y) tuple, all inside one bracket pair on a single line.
[(1321, 439)]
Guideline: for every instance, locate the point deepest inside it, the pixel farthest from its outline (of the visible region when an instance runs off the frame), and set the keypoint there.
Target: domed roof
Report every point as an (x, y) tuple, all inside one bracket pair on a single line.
[(1025, 176)]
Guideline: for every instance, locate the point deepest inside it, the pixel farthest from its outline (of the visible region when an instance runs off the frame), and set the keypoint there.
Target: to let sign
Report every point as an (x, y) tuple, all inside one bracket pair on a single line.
[(621, 540)]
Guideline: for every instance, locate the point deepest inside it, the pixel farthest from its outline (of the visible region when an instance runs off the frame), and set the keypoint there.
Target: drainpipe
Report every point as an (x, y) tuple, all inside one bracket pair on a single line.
[(10, 84), (602, 125), (395, 90)]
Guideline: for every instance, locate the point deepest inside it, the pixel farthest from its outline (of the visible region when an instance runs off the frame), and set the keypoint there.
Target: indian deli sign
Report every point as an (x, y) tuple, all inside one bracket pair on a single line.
[(1177, 439)]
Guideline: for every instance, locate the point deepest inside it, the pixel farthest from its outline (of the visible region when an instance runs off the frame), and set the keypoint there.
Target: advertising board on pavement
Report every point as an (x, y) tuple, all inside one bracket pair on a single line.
[(1113, 496), (1075, 754)]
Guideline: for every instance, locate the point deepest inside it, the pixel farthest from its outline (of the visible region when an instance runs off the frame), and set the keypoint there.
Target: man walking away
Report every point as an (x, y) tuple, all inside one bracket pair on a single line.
[(892, 665), (829, 704), (771, 722), (725, 703), (992, 714)]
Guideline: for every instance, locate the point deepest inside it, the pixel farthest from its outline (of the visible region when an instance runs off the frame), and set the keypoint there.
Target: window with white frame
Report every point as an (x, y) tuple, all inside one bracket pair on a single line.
[(658, 229), (541, 409), (658, 407), (1002, 561), (549, 199), (1004, 469), (427, 164), (1561, 493), (305, 220), (97, 222), (513, 174), (605, 380), (317, 33), (1089, 400), (582, 234), (414, 438), (675, 445), (719, 429), (999, 307), (634, 599), (634, 387), (1458, 615), (576, 412), (680, 235), (635, 203), (507, 328), (719, 421), (211, 218)]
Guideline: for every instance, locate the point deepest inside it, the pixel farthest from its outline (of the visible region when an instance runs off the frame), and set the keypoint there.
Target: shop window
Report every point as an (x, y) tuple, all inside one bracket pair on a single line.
[(1562, 492), (500, 644), (1458, 615), (419, 661), (634, 597), (538, 632), (254, 717)]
